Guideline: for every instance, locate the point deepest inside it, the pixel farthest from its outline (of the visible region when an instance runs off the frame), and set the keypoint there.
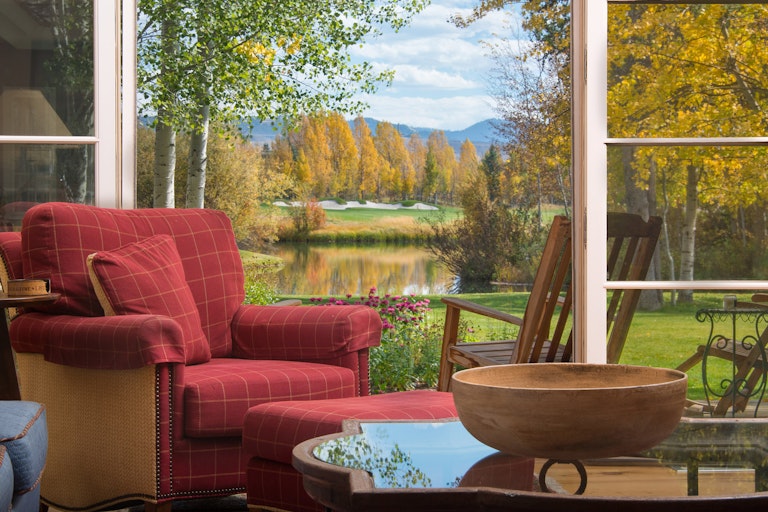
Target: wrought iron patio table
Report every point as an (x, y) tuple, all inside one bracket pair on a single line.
[(746, 381)]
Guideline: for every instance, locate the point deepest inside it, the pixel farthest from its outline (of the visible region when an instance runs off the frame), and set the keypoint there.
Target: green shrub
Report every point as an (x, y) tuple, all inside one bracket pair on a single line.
[(260, 277), (258, 292), (409, 354)]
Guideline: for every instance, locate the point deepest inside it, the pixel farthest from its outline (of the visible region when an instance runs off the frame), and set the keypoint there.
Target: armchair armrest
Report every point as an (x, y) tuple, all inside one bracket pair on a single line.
[(105, 342), (303, 332), (471, 307)]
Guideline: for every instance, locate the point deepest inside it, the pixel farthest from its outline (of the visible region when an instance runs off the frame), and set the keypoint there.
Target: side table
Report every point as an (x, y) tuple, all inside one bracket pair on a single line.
[(749, 364), (9, 383)]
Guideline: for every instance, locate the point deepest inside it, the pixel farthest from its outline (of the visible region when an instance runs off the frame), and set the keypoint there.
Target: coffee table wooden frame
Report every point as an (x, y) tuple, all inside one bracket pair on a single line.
[(352, 490)]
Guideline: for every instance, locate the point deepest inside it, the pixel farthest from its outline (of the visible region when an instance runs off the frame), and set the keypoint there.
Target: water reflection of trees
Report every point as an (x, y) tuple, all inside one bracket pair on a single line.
[(338, 270), (390, 468)]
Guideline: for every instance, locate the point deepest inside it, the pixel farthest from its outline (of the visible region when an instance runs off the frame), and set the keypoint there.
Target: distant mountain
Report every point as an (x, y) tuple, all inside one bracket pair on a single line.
[(260, 132), (481, 134)]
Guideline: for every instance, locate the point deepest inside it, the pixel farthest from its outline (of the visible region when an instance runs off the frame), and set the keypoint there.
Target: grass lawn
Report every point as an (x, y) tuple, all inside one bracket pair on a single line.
[(375, 225), (661, 338)]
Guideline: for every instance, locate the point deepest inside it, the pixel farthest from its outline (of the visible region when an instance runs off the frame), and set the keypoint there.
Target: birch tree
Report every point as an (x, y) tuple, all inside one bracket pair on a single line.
[(343, 156), (225, 60), (418, 152)]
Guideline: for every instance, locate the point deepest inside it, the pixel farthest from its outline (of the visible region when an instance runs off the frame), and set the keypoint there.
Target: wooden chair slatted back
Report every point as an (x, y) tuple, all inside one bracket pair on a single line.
[(631, 244), (552, 280)]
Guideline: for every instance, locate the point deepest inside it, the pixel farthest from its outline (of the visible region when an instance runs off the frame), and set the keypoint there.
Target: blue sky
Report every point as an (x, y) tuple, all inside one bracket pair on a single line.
[(441, 72)]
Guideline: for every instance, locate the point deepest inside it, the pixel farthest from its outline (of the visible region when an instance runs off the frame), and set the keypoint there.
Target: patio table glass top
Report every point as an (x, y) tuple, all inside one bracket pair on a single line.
[(703, 456)]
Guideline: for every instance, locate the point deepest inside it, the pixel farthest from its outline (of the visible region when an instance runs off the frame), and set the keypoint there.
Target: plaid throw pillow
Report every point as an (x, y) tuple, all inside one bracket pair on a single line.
[(147, 277)]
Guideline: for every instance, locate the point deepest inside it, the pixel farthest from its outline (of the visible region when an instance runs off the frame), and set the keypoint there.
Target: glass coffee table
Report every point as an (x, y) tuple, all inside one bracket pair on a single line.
[(706, 464)]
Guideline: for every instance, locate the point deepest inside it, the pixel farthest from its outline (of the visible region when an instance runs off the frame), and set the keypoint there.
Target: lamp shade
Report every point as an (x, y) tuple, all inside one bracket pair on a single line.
[(27, 112)]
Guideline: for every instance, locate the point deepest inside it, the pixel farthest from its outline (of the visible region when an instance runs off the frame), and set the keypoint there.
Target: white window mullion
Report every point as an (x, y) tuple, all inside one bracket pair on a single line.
[(107, 97), (590, 32), (688, 285), (128, 121)]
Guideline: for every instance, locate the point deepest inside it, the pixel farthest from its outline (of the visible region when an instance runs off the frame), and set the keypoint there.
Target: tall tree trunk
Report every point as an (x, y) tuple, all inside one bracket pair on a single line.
[(564, 193), (756, 224), (665, 236), (641, 202), (198, 161), (165, 166), (688, 239), (165, 133), (74, 92)]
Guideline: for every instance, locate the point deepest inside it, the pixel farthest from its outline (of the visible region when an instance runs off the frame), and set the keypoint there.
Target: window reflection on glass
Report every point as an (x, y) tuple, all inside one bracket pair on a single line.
[(47, 90), (37, 173), (46, 80), (689, 70)]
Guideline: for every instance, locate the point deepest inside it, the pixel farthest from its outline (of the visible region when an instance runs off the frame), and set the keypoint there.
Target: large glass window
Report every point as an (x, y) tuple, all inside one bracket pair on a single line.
[(60, 81), (47, 91), (670, 120)]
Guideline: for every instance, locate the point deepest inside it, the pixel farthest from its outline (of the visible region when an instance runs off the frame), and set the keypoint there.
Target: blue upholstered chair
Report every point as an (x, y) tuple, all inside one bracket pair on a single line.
[(23, 449)]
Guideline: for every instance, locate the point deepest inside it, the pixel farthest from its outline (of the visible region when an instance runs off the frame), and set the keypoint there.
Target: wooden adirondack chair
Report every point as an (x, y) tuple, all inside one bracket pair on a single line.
[(545, 329)]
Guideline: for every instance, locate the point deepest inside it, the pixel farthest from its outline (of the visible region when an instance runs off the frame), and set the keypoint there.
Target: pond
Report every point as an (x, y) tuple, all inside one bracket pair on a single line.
[(324, 271)]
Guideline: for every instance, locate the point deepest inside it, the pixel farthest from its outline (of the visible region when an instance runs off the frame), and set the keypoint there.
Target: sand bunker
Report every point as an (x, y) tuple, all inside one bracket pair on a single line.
[(333, 205)]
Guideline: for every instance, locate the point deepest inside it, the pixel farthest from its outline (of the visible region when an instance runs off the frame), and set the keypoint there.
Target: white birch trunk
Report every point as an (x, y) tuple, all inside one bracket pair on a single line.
[(165, 166), (665, 232), (163, 195), (198, 162), (688, 239)]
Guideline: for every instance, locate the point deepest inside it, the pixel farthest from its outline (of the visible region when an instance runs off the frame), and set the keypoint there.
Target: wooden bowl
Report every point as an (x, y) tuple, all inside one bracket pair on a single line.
[(570, 411)]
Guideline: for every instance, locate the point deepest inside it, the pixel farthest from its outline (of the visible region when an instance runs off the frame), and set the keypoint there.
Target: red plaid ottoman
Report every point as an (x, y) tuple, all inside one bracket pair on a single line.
[(272, 430)]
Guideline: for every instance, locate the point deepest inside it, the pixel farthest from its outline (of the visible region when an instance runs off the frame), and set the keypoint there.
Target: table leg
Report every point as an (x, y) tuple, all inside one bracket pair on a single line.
[(9, 384), (761, 478), (693, 477)]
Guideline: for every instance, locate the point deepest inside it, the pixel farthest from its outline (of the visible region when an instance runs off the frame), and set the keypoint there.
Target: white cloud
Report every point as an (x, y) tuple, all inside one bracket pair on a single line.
[(449, 113), (441, 71), (434, 78)]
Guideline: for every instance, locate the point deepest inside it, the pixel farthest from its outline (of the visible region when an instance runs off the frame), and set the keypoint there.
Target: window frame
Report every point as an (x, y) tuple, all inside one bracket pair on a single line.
[(114, 139)]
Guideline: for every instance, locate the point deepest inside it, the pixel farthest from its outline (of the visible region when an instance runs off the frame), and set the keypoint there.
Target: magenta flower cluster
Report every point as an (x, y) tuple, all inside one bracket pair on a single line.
[(397, 312)]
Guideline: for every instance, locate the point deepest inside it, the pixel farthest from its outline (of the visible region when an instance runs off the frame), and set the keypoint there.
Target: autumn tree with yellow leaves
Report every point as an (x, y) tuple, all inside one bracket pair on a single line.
[(693, 71), (328, 158)]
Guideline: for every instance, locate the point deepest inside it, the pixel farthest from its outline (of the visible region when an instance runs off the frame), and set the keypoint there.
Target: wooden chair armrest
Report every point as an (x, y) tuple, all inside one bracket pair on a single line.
[(471, 307)]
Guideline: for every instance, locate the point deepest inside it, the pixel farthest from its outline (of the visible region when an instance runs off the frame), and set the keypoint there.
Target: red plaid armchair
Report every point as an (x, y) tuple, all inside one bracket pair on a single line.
[(149, 361)]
